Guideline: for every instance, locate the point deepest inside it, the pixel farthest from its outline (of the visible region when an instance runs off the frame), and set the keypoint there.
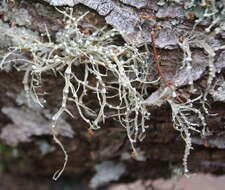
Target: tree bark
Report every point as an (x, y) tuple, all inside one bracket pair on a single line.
[(26, 145)]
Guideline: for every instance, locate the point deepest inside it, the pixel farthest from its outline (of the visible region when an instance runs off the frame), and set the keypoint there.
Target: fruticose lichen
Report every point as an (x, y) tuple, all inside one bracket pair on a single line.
[(110, 72), (118, 76)]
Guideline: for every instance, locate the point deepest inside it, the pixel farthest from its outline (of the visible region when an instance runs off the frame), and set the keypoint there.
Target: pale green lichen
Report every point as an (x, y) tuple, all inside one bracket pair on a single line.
[(120, 72), (187, 118), (117, 76), (213, 11)]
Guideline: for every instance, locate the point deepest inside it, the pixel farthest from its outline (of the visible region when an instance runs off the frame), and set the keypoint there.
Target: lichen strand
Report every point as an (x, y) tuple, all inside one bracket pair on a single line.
[(187, 118), (110, 73), (95, 69), (213, 11)]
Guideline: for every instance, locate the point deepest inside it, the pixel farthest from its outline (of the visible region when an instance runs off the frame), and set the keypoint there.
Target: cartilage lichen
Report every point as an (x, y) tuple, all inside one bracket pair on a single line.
[(116, 77), (119, 72), (187, 118)]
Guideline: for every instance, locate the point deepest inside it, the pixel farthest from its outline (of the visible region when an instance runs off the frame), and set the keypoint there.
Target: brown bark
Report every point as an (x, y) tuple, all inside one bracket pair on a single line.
[(162, 147)]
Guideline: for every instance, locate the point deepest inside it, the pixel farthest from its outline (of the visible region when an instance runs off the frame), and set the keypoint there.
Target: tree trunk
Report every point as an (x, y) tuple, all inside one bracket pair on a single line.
[(26, 145)]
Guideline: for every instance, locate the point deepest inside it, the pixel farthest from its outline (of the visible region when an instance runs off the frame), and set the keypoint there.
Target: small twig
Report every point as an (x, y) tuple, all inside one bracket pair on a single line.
[(157, 61)]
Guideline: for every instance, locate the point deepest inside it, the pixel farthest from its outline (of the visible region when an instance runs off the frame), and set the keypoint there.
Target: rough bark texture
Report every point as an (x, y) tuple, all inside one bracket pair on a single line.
[(26, 145)]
